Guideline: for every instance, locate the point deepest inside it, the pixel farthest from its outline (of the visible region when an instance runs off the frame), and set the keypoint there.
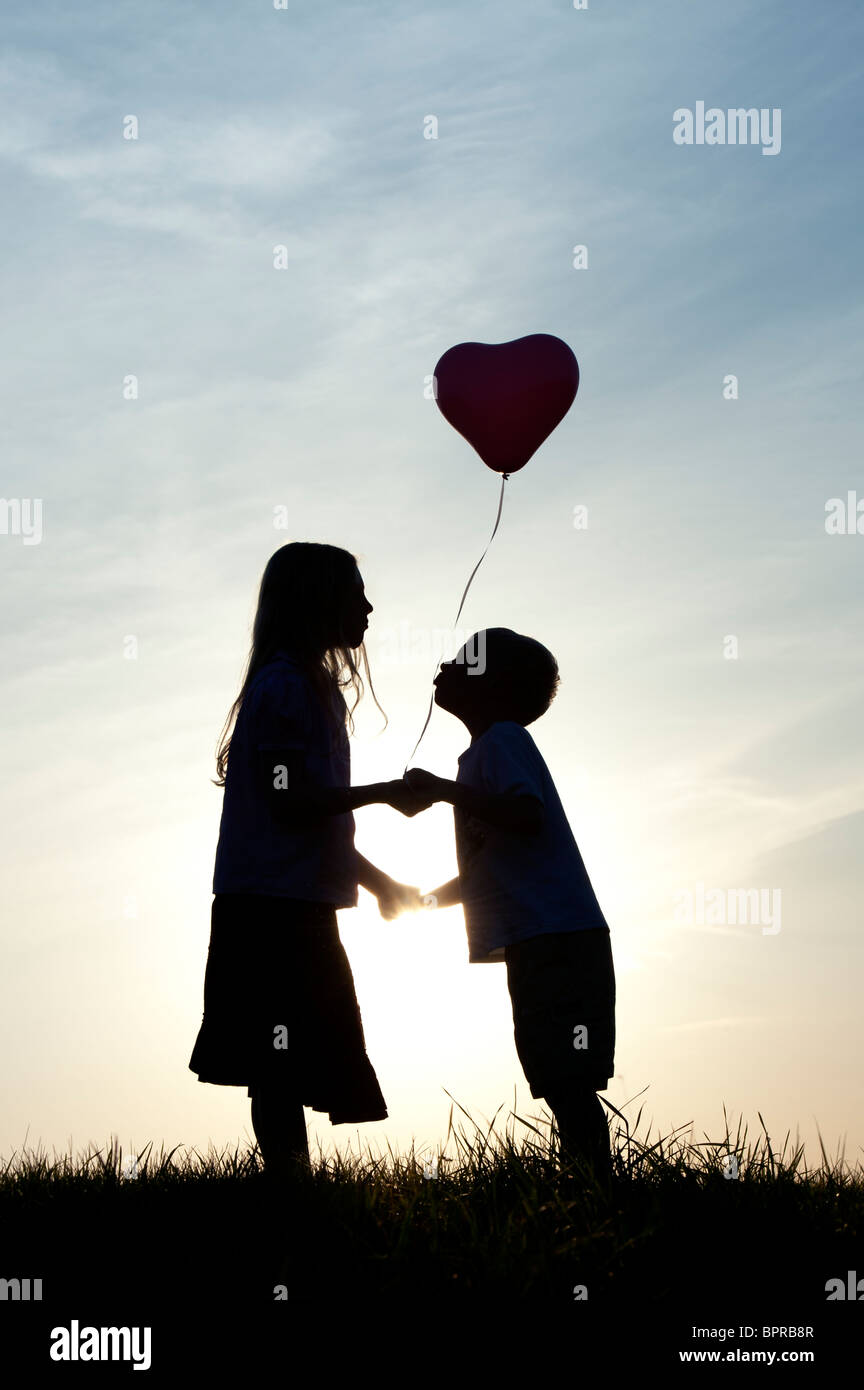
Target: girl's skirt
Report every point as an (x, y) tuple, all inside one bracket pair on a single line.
[(280, 1008)]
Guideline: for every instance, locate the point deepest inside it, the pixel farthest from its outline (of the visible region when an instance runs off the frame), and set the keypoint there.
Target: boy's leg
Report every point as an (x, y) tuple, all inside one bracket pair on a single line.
[(280, 1128), (582, 1128), (557, 981)]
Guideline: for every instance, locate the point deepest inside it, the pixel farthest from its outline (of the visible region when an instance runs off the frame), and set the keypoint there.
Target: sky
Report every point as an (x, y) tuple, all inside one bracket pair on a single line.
[(182, 396)]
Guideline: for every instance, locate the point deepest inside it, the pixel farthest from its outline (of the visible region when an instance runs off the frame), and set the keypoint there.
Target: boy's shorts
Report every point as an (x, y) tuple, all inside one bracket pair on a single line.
[(561, 983)]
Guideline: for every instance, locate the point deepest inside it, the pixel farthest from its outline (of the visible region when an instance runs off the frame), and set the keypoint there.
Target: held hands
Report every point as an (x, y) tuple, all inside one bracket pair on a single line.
[(424, 784), (395, 898), (411, 794), (415, 792)]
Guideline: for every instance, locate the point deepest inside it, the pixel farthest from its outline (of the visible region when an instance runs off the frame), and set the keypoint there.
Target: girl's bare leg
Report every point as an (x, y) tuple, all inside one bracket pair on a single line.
[(280, 1128)]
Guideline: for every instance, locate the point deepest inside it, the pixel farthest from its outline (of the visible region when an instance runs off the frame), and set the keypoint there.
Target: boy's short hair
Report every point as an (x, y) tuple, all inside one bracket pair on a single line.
[(527, 672)]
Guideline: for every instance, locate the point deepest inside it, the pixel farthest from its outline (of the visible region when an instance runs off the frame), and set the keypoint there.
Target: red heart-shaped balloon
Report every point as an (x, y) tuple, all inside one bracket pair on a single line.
[(506, 398)]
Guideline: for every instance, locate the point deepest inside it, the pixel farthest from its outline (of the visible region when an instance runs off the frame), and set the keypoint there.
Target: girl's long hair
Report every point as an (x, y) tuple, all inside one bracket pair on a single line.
[(300, 608)]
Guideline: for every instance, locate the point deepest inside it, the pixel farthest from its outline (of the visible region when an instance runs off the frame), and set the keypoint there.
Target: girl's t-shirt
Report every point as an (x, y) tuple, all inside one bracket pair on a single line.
[(515, 886), (256, 853)]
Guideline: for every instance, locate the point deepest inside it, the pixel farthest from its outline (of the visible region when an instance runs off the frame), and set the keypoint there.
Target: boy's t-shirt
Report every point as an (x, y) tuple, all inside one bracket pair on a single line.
[(256, 853), (514, 885)]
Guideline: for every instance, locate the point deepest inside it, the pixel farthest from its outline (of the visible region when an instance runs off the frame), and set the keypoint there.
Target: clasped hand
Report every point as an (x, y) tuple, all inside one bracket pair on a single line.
[(415, 792), (395, 898)]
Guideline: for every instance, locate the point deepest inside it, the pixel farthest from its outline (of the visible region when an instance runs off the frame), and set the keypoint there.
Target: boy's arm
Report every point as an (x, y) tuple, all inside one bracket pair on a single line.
[(507, 810), (448, 895)]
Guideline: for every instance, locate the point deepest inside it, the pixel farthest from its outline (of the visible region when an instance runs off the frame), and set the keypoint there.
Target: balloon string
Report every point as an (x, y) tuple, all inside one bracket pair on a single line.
[(504, 478)]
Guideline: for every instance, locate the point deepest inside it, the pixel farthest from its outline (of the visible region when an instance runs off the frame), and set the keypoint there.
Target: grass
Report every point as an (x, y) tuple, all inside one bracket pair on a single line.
[(499, 1219)]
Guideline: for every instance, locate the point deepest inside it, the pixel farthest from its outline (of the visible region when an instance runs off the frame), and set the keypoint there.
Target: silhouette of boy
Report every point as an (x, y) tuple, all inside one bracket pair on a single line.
[(525, 892)]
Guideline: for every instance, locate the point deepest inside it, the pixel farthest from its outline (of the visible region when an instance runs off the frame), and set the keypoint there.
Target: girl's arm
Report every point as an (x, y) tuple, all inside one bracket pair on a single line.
[(294, 800), (393, 897)]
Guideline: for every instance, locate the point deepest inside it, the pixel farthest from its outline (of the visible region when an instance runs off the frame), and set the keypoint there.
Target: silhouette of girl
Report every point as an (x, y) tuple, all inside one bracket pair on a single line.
[(280, 1010)]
